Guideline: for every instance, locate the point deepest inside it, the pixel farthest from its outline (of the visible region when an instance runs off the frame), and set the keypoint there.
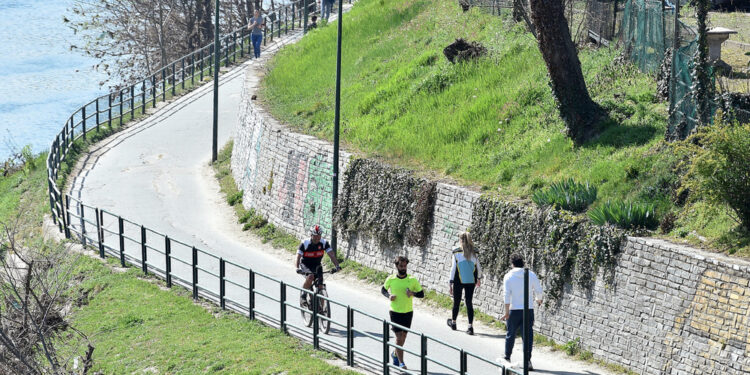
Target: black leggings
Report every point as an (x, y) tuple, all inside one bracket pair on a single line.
[(469, 288)]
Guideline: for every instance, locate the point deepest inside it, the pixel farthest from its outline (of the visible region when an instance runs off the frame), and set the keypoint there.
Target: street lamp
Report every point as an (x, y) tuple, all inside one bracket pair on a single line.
[(337, 119), (217, 55)]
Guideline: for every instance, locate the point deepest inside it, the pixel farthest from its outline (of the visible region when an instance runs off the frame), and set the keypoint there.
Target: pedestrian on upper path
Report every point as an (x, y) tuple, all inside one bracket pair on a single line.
[(513, 290), (257, 25), (466, 275), (400, 289), (325, 7)]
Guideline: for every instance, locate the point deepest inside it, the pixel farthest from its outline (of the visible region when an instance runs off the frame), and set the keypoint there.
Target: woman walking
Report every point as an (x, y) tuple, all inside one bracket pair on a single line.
[(257, 24), (465, 276)]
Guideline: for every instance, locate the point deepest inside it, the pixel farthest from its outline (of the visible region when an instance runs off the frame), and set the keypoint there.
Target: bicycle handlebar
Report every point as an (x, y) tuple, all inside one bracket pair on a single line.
[(301, 272)]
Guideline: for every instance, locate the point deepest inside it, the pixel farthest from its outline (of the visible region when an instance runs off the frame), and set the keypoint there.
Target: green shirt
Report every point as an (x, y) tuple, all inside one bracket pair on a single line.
[(397, 286)]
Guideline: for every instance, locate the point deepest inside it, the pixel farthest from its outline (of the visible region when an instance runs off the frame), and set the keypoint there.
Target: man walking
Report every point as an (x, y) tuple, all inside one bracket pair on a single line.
[(513, 289), (326, 6), (400, 288)]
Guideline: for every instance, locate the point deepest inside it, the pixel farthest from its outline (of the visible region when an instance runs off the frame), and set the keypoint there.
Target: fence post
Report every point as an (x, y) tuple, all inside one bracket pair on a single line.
[(83, 112), (294, 13), (192, 69), (67, 216), (182, 73), (174, 83), (614, 21), (120, 107), (83, 224), (144, 253), (282, 312), (168, 260), (222, 284), (526, 322), (349, 336), (98, 214), (211, 61), (195, 273), (153, 91), (251, 296), (132, 101), (462, 366), (164, 84), (386, 356), (272, 31), (96, 107), (316, 324), (201, 65), (121, 224), (143, 97), (423, 355), (109, 110)]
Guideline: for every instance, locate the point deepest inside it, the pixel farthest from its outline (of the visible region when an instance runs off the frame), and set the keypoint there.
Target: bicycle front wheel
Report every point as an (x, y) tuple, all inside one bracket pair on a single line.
[(305, 309), (324, 311)]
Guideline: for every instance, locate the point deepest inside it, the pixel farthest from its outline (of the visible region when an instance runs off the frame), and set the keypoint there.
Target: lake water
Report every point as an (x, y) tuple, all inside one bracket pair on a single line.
[(41, 81)]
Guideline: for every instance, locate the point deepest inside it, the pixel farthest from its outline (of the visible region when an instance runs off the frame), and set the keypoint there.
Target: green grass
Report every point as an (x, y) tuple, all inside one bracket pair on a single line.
[(25, 191), (138, 327), (490, 123)]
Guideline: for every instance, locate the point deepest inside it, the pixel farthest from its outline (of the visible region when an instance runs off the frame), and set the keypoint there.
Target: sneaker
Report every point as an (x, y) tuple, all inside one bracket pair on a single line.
[(402, 366), (302, 301), (505, 362), (470, 331), (451, 323), (531, 368), (394, 357)]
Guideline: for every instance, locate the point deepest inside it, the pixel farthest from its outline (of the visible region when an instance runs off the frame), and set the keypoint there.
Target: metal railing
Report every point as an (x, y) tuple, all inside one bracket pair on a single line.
[(239, 288), (230, 285)]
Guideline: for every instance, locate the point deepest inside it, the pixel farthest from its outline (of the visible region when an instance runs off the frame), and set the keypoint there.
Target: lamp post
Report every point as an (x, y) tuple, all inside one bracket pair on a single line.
[(217, 56), (337, 119)]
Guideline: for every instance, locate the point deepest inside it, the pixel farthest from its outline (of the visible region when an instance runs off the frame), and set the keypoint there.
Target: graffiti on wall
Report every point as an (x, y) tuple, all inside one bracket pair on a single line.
[(291, 191), (318, 200), (251, 167), (719, 315)]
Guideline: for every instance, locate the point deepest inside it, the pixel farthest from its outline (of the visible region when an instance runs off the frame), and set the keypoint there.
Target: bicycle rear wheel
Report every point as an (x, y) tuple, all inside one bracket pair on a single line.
[(324, 311)]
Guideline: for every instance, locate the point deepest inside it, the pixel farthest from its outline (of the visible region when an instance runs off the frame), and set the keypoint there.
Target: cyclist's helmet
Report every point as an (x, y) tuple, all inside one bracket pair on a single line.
[(316, 230)]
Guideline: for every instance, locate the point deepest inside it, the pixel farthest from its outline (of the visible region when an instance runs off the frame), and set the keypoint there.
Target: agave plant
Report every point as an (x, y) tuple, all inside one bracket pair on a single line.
[(625, 214), (567, 194)]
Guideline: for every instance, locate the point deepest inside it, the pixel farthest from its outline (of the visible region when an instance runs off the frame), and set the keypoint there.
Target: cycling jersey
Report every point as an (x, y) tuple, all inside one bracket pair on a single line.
[(312, 254)]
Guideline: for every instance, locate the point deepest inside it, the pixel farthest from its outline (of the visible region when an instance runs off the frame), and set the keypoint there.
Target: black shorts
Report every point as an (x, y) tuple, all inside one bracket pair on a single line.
[(317, 269), (402, 319)]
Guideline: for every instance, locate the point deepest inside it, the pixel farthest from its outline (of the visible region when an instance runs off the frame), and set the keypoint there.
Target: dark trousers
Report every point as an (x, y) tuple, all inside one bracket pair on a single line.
[(256, 39), (515, 321), (469, 288)]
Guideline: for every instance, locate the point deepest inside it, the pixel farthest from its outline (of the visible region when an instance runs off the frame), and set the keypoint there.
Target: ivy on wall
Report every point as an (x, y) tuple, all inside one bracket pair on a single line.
[(385, 203), (561, 247)]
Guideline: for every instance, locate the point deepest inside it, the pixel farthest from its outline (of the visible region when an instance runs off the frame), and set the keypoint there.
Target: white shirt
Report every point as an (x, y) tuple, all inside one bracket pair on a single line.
[(513, 288)]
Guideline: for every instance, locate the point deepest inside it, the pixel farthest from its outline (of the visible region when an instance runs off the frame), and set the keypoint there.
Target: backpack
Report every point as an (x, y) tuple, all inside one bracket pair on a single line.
[(465, 270)]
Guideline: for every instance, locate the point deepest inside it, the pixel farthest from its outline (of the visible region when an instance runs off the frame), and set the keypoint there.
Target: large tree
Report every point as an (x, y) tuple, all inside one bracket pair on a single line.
[(580, 113)]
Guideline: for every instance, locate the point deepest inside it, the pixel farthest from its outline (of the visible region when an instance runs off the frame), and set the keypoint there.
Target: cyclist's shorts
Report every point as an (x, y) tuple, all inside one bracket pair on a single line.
[(317, 269), (402, 319)]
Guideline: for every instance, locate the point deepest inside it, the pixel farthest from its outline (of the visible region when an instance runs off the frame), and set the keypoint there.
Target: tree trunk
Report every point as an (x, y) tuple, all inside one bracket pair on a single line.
[(206, 22), (579, 112)]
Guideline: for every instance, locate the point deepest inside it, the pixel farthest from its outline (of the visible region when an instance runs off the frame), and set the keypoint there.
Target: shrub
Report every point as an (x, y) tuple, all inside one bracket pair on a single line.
[(624, 214), (235, 198), (568, 195), (718, 167)]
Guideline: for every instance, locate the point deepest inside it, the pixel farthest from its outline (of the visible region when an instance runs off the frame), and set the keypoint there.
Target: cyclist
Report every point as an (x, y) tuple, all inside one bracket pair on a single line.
[(309, 256)]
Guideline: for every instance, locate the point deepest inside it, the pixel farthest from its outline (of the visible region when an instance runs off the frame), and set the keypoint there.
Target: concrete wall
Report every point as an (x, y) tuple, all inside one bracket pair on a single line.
[(671, 309)]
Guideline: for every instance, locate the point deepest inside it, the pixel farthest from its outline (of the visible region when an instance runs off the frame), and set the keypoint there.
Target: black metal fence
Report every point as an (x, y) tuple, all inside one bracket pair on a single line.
[(230, 285)]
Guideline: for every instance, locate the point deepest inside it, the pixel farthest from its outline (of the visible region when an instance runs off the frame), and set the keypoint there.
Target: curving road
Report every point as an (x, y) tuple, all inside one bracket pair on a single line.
[(157, 173)]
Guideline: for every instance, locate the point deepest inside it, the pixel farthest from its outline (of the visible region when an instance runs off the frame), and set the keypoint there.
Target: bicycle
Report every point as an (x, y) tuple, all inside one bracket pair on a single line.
[(324, 307)]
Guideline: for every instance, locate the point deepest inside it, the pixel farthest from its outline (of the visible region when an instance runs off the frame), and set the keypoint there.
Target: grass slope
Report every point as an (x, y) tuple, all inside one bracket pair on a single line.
[(492, 122), (137, 326)]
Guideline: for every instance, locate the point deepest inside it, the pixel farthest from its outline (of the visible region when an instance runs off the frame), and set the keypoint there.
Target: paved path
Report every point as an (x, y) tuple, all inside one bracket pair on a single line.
[(157, 173)]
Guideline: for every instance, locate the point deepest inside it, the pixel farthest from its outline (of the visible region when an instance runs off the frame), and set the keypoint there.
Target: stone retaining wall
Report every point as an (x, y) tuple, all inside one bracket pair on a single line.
[(670, 310)]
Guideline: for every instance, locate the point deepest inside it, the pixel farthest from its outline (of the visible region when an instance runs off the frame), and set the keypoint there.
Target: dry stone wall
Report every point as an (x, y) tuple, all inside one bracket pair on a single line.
[(669, 309)]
